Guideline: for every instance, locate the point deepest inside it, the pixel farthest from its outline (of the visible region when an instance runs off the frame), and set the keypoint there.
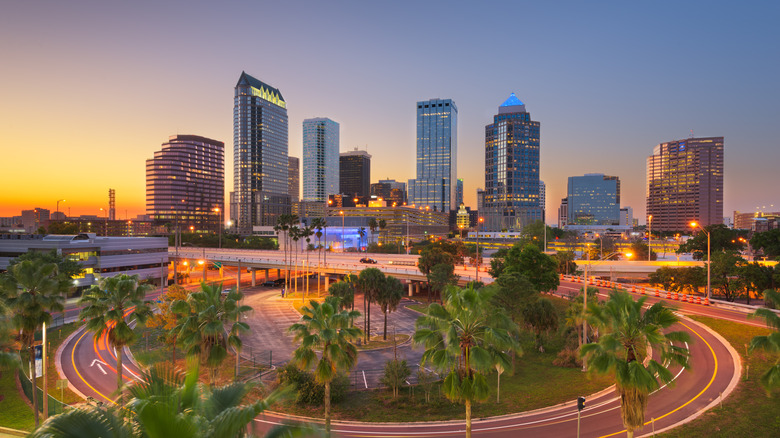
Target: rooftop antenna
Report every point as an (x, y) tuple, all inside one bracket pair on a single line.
[(691, 134)]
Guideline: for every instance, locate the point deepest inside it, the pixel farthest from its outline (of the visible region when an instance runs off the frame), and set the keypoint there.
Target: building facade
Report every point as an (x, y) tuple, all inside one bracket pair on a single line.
[(685, 183), (594, 199), (390, 190), (563, 213), (437, 150), (34, 219), (260, 151), (459, 192), (320, 159), (511, 169), (185, 183), (100, 257), (294, 178), (355, 173), (403, 224)]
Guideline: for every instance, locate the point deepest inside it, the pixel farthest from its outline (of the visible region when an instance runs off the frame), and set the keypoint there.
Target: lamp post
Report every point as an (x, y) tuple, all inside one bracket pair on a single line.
[(219, 212), (709, 257), (341, 212), (478, 258), (58, 206), (649, 234)]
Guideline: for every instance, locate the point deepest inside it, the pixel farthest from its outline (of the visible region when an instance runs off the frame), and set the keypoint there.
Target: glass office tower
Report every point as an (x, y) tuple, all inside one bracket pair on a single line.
[(437, 150), (511, 197), (260, 166), (355, 173), (685, 183), (320, 159), (593, 199)]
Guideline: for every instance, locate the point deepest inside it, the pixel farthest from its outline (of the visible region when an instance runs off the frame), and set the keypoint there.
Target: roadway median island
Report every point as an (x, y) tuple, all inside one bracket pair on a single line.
[(536, 383)]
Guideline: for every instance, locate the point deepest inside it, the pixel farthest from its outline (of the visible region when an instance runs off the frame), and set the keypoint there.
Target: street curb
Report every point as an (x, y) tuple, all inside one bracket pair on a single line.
[(58, 361), (729, 389)]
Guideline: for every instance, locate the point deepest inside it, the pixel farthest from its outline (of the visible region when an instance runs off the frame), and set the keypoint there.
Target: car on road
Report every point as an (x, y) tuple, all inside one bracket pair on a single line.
[(279, 281), (368, 260), (268, 283)]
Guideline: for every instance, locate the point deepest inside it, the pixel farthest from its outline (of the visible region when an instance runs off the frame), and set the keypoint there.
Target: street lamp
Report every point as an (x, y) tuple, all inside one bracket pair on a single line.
[(479, 222), (709, 258), (219, 211), (58, 207), (341, 212), (649, 234)]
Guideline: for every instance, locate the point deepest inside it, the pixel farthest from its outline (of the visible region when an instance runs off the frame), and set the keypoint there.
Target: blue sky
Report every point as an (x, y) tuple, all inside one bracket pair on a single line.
[(106, 83)]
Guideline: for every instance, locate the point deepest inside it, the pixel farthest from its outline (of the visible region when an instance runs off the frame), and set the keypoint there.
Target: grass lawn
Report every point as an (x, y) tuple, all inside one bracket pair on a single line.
[(378, 342), (536, 383), (14, 412), (418, 307), (748, 411)]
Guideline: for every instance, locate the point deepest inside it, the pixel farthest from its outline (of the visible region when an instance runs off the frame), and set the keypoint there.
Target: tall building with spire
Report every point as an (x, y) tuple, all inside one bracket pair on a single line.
[(512, 198), (320, 159), (260, 149), (437, 150)]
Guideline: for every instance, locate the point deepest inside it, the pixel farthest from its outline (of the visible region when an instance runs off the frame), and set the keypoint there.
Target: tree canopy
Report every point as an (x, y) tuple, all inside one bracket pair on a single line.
[(767, 242), (722, 238), (539, 268)]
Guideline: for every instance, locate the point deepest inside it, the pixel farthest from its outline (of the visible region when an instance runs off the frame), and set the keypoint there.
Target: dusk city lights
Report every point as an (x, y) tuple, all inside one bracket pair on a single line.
[(407, 219)]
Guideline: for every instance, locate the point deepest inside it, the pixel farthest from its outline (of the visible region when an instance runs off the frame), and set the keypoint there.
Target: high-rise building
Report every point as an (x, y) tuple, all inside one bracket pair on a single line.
[(355, 173), (185, 183), (260, 148), (459, 192), (391, 191), (627, 216), (294, 178), (594, 199), (685, 183), (511, 169), (437, 150), (543, 199), (563, 213), (34, 219), (320, 159)]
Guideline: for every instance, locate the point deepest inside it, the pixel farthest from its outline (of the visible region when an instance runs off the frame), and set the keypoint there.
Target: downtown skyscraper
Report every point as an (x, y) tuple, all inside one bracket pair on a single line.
[(437, 150), (512, 198), (320, 159), (260, 149), (685, 184), (185, 183)]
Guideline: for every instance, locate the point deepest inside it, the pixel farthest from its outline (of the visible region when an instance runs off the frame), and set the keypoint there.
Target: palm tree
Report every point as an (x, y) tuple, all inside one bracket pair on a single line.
[(318, 223), (295, 235), (326, 329), (382, 225), (771, 342), (362, 233), (370, 281), (105, 307), (626, 331), (168, 404), (389, 297), (462, 338), (345, 291), (33, 291), (306, 233), (373, 225), (541, 317), (202, 328)]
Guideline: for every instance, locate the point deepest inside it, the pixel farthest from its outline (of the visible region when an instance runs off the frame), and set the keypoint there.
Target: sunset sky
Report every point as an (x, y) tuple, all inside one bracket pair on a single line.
[(90, 89)]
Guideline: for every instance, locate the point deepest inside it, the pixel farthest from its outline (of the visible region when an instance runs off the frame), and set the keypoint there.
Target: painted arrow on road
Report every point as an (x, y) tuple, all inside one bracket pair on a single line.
[(98, 362)]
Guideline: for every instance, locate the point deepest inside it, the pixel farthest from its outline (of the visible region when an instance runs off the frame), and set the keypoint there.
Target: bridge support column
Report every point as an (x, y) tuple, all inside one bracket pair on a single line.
[(221, 272), (327, 282), (410, 286), (266, 274), (254, 278), (205, 265)]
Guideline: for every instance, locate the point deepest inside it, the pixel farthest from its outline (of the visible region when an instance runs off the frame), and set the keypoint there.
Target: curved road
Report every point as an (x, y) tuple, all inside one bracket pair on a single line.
[(713, 371)]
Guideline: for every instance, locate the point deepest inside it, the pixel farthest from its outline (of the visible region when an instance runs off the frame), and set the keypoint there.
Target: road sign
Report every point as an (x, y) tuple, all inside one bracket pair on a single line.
[(217, 264)]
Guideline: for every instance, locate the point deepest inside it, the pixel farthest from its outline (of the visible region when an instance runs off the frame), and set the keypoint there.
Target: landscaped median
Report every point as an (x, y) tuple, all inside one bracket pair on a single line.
[(536, 383)]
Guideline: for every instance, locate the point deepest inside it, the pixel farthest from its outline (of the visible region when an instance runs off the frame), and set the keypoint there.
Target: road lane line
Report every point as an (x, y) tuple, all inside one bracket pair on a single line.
[(73, 362), (712, 379)]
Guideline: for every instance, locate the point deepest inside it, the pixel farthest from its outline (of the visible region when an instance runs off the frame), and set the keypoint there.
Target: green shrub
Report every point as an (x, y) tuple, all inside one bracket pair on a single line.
[(308, 391)]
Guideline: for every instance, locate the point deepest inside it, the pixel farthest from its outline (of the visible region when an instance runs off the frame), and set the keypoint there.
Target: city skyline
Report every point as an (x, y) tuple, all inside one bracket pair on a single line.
[(611, 83)]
